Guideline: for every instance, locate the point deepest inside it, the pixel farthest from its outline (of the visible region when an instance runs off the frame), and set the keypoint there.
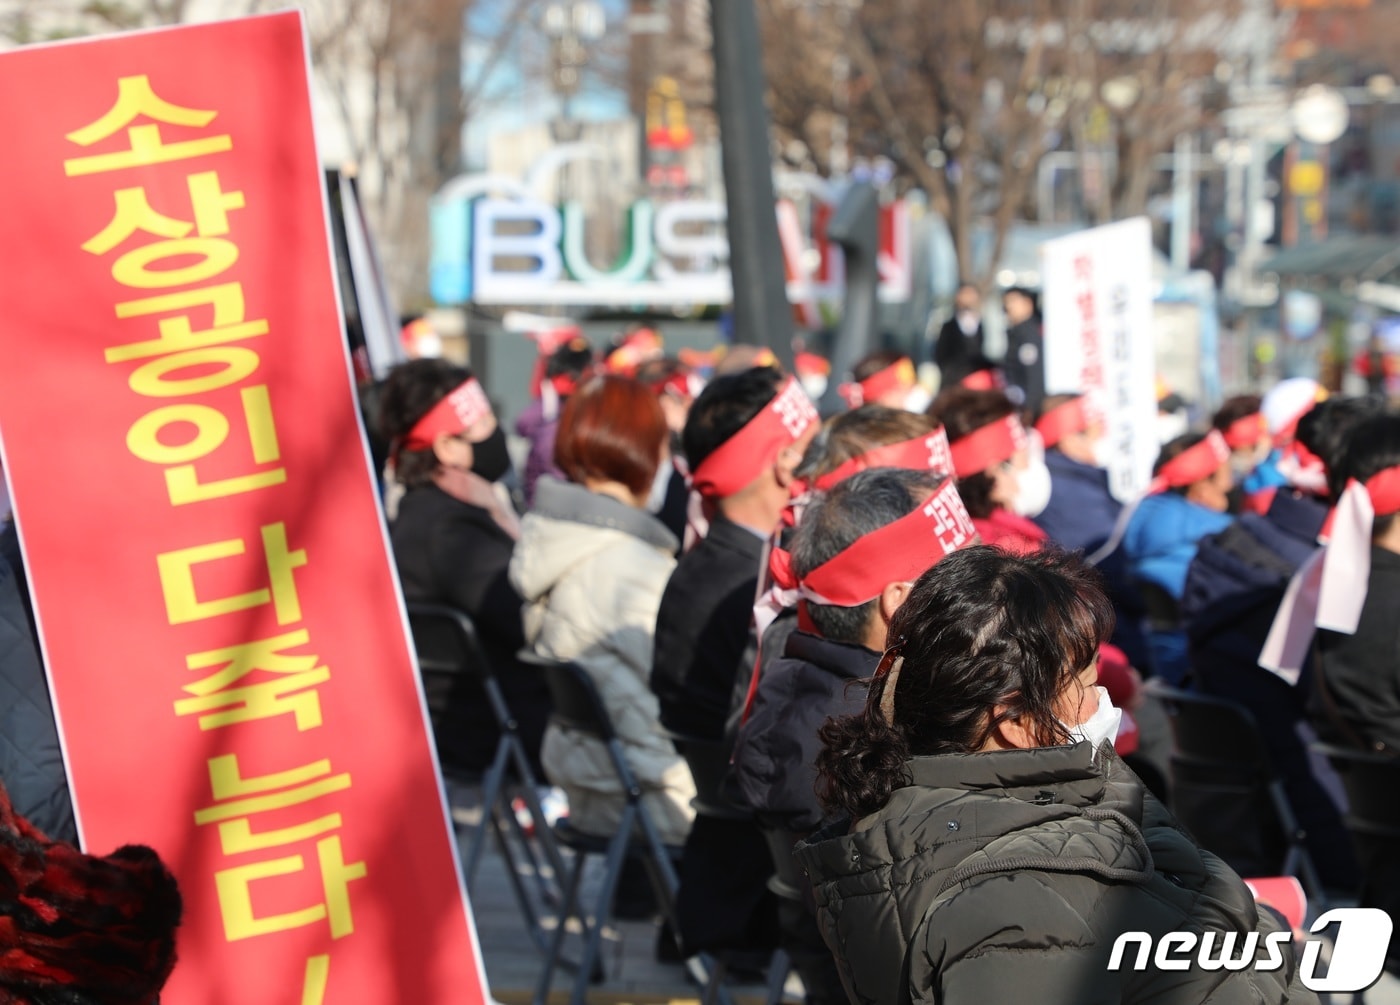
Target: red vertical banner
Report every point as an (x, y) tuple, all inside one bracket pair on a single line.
[(226, 647)]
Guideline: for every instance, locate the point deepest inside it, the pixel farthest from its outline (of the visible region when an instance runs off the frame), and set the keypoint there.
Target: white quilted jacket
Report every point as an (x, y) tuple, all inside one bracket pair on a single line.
[(591, 571)]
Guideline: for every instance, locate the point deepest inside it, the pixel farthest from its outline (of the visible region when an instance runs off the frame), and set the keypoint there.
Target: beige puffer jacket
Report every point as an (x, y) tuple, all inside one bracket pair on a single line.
[(591, 571)]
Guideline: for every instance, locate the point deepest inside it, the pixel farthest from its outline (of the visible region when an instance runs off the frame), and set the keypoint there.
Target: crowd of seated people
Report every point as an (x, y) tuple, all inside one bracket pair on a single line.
[(727, 566)]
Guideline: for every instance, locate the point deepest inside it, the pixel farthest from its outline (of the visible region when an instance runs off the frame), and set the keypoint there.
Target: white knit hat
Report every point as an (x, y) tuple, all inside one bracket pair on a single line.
[(1288, 402)]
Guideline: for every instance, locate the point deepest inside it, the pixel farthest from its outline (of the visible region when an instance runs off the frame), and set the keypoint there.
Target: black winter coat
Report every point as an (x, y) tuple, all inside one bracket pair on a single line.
[(1081, 511), (1357, 700), (1024, 364), (702, 630), (1237, 580), (1233, 590), (1041, 858), (31, 762), (958, 355), (451, 552), (774, 763)]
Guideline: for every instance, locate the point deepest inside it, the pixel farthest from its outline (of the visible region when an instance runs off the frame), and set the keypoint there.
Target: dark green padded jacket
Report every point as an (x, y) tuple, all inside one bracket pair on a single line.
[(1006, 877)]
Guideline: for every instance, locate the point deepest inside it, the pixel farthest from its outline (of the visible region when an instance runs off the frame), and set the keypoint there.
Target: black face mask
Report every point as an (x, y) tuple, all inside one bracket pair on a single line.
[(490, 459)]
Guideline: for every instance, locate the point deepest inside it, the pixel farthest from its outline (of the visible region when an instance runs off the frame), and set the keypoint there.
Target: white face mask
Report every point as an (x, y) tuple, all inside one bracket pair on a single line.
[(1101, 726), (1241, 467), (1032, 489), (917, 400), (968, 321), (428, 345), (814, 384), (656, 497)]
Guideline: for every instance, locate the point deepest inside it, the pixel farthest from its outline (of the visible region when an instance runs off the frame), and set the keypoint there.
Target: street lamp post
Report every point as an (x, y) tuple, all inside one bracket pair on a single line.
[(571, 25)]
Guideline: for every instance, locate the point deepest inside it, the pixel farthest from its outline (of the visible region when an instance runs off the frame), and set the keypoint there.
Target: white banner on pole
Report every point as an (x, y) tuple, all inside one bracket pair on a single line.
[(1098, 338)]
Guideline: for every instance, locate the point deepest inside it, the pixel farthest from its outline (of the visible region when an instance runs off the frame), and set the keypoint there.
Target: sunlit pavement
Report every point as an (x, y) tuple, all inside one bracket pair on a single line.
[(513, 964)]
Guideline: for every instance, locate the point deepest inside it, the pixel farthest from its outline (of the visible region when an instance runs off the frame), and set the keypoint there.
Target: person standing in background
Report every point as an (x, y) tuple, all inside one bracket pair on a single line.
[(959, 350), (1024, 364)]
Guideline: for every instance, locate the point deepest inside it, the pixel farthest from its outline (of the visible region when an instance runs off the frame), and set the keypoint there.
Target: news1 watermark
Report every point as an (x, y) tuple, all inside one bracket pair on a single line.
[(1358, 950)]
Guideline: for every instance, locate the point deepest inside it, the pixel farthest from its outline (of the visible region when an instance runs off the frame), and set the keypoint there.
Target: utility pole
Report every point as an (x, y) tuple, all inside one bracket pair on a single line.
[(762, 315)]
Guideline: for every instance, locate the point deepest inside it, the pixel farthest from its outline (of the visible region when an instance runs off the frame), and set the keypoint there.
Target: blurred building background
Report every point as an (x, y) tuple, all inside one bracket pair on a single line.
[(1261, 137)]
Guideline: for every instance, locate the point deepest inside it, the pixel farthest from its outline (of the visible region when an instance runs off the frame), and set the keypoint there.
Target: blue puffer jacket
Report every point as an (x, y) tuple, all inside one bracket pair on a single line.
[(1265, 476), (1162, 536), (1081, 511)]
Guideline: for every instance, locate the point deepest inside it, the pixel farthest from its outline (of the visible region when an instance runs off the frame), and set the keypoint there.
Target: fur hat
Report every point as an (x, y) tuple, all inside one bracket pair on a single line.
[(77, 929)]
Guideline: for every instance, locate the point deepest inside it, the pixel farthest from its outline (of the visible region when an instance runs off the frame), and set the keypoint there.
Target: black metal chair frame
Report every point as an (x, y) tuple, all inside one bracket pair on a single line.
[(1297, 861), (579, 707), (1369, 779), (497, 813)]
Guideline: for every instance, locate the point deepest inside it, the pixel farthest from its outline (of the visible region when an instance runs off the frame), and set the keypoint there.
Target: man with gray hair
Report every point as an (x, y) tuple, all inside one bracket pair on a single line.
[(854, 558)]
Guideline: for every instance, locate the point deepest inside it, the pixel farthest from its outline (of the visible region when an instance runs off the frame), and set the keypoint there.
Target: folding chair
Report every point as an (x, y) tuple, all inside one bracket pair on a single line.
[(579, 707), (708, 761), (1371, 781), (447, 643), (1227, 793)]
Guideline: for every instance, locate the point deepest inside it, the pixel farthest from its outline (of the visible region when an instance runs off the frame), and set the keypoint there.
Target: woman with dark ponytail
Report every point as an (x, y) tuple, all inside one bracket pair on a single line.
[(990, 845)]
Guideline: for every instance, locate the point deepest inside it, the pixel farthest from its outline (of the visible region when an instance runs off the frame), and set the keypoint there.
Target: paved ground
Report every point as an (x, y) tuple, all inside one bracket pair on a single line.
[(513, 964), (631, 972)]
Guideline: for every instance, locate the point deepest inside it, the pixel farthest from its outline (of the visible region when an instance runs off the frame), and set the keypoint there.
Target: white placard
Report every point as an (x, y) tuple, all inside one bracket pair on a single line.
[(1098, 338)]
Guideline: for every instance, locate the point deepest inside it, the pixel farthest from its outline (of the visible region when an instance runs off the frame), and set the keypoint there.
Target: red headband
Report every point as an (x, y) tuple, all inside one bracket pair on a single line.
[(989, 379), (898, 374), (988, 446), (742, 457), (1246, 431), (548, 342), (1192, 464), (564, 384), (685, 384), (1065, 420), (926, 452), (896, 553), (465, 406), (1384, 490)]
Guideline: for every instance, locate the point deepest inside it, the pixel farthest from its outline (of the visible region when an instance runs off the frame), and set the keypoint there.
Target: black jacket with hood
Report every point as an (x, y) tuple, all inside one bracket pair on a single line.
[(1033, 862)]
